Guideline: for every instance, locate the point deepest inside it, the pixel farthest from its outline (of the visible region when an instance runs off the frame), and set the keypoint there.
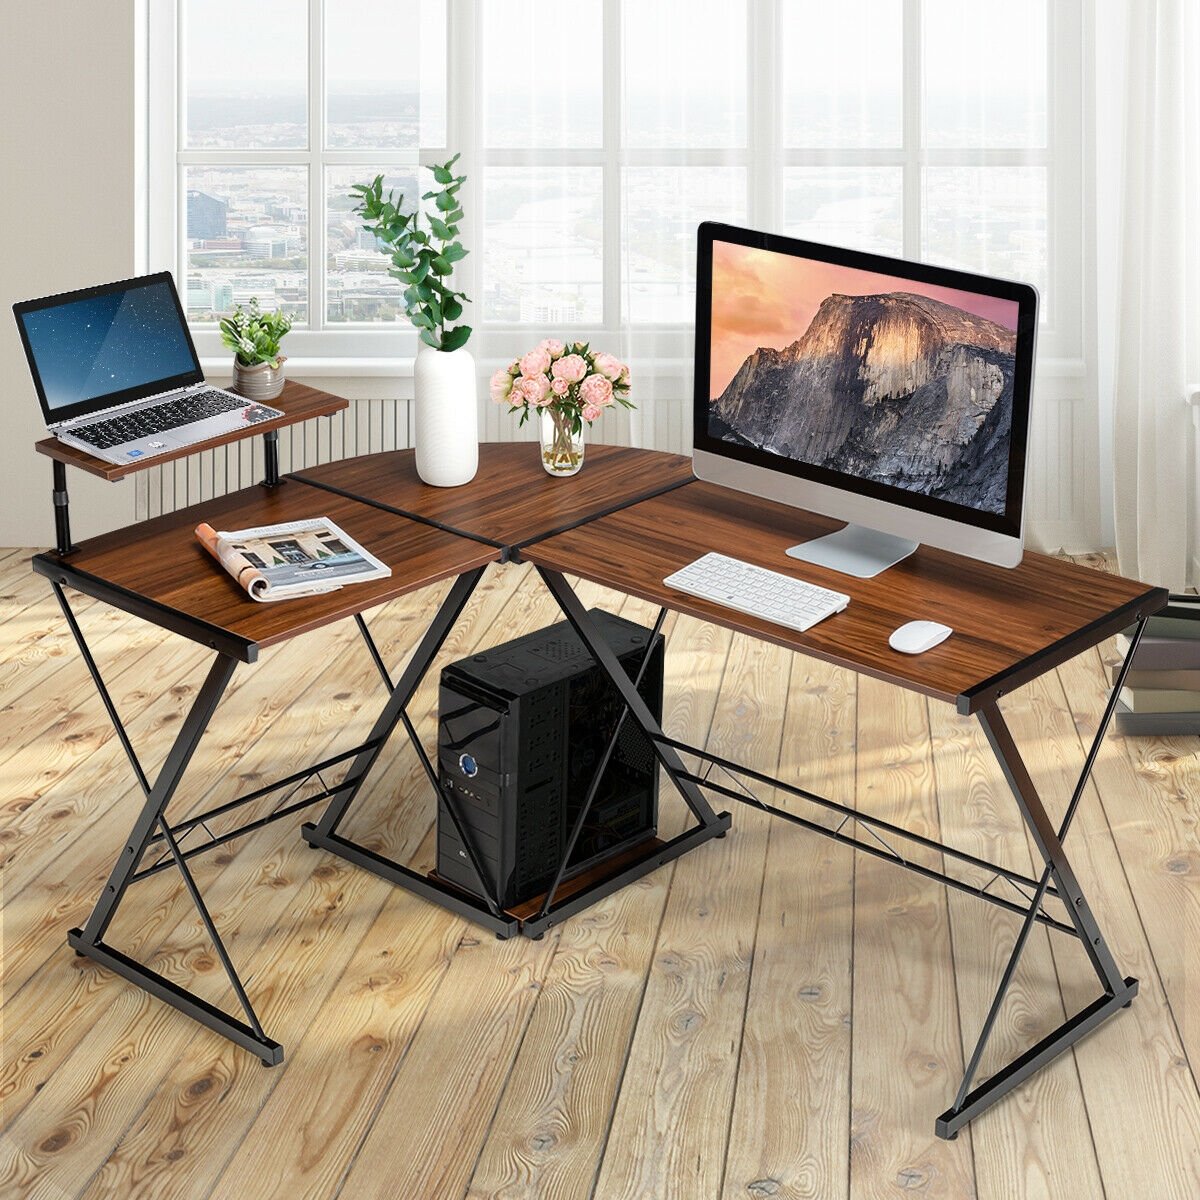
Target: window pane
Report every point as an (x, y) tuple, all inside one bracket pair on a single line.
[(542, 64), (987, 219), (685, 79), (859, 207), (358, 286), (247, 235), (375, 95), (543, 246), (246, 76), (662, 207), (842, 73), (985, 73)]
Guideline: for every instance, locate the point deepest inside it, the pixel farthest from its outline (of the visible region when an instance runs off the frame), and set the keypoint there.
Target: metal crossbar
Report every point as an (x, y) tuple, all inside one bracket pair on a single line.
[(297, 778), (881, 851), (864, 819)]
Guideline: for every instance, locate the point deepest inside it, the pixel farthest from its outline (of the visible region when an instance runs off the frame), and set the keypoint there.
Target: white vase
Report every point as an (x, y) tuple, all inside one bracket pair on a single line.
[(445, 416)]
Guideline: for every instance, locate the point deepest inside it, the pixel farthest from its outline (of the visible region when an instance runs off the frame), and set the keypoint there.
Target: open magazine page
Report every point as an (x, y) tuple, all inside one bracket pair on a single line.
[(298, 558)]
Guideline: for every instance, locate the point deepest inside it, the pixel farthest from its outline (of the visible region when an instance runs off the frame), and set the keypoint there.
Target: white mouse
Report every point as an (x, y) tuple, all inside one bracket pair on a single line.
[(918, 636)]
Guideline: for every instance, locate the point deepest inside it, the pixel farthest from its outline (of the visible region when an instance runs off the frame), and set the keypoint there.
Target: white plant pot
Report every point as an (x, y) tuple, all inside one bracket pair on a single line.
[(445, 416)]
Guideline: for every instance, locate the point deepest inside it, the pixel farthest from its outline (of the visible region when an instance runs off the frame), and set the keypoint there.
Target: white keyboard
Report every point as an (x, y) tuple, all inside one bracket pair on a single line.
[(757, 591)]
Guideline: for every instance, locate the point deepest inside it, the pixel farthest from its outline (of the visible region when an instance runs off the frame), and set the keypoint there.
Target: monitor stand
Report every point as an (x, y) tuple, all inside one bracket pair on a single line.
[(854, 550)]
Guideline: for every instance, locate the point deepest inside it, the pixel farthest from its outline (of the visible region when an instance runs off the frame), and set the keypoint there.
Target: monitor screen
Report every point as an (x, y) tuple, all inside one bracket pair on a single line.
[(95, 345), (866, 373)]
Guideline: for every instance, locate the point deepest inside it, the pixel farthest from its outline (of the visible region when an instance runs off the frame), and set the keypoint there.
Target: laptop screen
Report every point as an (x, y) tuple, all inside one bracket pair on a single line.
[(91, 350)]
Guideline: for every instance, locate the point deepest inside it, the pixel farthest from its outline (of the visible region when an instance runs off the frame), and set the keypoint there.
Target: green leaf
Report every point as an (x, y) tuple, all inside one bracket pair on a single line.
[(420, 318), (412, 296), (440, 266), (452, 339), (454, 217), (435, 311), (445, 202), (424, 291), (451, 309), (430, 339), (454, 252), (420, 269), (402, 257), (443, 174), (429, 195), (440, 229), (452, 161)]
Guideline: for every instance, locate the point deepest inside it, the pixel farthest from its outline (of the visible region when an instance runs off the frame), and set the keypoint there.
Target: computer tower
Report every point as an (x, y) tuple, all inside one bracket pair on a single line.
[(521, 729)]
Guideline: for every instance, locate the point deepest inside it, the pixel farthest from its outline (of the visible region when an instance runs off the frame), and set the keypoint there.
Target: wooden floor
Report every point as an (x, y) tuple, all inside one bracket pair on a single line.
[(772, 1016)]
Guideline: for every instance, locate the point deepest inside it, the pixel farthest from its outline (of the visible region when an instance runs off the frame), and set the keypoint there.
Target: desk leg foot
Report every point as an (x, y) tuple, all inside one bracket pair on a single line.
[(460, 902), (269, 1051), (1032, 1061)]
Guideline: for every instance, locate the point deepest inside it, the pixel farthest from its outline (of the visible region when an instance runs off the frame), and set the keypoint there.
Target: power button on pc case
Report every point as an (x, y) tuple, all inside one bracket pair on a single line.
[(468, 766)]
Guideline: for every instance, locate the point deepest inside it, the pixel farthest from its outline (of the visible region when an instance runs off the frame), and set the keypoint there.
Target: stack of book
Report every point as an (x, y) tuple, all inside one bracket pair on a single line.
[(1162, 690)]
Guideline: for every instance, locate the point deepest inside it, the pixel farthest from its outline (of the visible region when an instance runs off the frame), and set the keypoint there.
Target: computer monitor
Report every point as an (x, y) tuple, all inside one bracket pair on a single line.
[(889, 394)]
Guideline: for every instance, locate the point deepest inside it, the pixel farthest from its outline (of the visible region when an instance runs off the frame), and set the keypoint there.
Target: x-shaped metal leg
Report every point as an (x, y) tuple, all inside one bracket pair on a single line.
[(324, 834), (89, 940), (709, 824), (1118, 991)]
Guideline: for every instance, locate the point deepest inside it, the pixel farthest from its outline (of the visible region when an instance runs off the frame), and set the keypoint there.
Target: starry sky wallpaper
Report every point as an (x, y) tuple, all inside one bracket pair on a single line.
[(105, 344)]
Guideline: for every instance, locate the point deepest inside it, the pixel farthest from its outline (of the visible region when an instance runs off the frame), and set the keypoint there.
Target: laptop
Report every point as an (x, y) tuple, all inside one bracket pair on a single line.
[(117, 374)]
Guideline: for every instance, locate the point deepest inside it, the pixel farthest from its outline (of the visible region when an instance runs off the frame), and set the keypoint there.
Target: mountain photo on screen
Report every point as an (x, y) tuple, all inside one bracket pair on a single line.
[(853, 371)]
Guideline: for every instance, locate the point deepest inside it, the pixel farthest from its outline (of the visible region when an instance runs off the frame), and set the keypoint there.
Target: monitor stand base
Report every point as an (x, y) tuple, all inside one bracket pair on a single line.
[(854, 550)]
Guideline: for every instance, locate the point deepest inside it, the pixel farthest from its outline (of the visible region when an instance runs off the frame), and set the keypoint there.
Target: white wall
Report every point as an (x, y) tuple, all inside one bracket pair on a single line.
[(68, 206)]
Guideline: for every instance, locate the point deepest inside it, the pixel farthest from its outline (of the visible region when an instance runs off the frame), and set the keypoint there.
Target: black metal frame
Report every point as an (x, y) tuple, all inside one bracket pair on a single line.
[(485, 909), (1056, 881), (324, 834), (151, 831)]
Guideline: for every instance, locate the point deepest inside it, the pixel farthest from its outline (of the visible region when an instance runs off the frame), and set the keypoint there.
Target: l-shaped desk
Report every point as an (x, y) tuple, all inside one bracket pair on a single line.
[(628, 520)]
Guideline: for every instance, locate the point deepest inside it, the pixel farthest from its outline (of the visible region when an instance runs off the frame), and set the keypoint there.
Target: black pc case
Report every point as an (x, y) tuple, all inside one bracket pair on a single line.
[(521, 729)]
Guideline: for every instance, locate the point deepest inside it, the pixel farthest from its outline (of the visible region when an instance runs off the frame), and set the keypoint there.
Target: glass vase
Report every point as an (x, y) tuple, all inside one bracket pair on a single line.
[(561, 446)]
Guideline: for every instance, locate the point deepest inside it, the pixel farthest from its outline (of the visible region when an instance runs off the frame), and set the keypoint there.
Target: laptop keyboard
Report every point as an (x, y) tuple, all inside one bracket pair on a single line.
[(148, 421)]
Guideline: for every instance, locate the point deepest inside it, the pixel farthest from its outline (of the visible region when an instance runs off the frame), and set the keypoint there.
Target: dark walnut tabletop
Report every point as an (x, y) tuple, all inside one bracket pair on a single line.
[(159, 570), (511, 501), (1009, 625)]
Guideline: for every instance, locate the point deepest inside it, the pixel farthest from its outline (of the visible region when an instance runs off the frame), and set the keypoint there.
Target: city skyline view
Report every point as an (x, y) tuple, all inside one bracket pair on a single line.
[(544, 233)]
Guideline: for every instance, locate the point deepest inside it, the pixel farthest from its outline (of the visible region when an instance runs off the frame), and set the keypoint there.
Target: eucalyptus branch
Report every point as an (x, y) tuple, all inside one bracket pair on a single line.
[(423, 260)]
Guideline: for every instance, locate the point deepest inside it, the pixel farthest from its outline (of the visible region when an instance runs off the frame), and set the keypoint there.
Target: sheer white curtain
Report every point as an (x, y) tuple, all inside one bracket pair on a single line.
[(684, 158), (1157, 342)]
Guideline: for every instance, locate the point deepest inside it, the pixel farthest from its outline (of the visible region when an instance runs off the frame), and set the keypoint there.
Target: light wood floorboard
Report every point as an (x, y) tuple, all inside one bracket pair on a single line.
[(770, 1016)]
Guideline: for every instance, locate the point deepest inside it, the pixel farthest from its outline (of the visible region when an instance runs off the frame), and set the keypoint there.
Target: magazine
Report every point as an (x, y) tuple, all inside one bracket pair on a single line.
[(298, 558)]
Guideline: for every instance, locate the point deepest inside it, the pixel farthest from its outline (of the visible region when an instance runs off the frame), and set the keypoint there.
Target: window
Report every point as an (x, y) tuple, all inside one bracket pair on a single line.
[(926, 128)]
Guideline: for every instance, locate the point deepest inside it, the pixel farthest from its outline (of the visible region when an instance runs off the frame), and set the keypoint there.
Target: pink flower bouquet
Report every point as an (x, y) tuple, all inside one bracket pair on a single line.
[(570, 384), (571, 380)]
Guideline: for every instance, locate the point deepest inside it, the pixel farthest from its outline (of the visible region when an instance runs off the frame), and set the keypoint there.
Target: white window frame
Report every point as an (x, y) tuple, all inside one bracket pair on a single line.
[(348, 351)]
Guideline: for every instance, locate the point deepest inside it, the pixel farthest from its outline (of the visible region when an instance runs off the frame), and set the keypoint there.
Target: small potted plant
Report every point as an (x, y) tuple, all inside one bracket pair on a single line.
[(254, 337), (424, 248), (568, 384)]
